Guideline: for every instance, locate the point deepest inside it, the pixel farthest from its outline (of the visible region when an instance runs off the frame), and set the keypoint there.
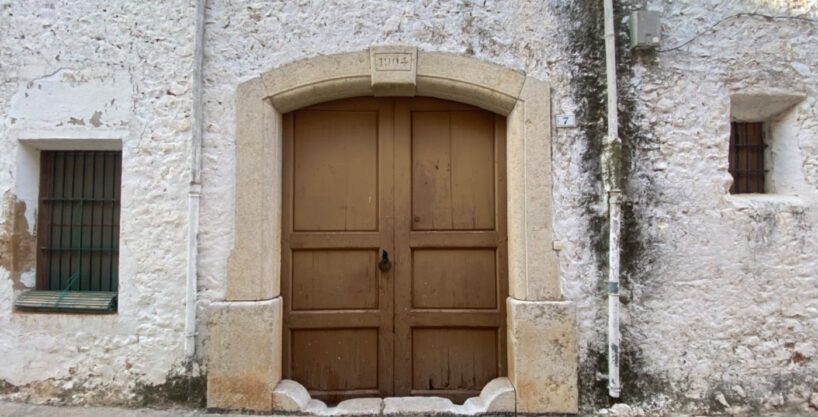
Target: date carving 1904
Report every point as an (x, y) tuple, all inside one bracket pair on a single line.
[(393, 62)]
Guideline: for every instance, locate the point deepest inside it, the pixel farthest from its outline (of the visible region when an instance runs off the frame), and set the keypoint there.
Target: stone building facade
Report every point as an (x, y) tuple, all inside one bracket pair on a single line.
[(718, 289)]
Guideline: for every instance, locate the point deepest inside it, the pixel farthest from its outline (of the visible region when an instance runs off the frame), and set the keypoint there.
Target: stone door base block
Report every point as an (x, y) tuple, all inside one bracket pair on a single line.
[(244, 354), (497, 397), (543, 355)]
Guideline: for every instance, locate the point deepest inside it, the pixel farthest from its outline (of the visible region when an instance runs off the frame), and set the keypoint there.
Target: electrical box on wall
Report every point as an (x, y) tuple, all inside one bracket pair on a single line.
[(645, 29)]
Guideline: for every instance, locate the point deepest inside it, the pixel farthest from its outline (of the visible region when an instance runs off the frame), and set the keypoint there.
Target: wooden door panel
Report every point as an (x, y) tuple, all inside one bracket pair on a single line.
[(336, 360), (452, 170), (454, 278), (320, 276), (335, 170), (453, 360)]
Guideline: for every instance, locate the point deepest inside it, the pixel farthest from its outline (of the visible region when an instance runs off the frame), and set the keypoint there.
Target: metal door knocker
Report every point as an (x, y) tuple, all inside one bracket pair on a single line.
[(385, 264)]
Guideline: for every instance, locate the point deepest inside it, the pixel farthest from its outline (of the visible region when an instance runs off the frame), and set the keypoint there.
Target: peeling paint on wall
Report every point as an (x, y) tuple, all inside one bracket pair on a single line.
[(17, 242)]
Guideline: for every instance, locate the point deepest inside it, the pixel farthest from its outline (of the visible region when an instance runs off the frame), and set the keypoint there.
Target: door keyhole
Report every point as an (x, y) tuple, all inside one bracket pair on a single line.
[(385, 264)]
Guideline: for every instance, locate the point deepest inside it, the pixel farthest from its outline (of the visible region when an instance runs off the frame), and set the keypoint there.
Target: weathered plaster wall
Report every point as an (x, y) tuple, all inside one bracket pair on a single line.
[(720, 292), (84, 75)]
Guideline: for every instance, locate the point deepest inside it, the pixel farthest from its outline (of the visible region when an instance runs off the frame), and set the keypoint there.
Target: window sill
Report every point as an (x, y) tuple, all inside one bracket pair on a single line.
[(750, 201), (85, 302)]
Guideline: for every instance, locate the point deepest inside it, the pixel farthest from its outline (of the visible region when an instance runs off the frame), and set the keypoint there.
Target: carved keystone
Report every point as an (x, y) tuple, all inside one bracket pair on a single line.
[(394, 70)]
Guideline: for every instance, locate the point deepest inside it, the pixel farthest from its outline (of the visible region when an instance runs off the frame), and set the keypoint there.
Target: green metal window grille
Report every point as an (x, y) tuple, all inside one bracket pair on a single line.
[(78, 224)]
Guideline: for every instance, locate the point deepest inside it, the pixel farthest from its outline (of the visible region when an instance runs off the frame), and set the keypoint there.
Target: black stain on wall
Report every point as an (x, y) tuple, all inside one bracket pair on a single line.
[(185, 388)]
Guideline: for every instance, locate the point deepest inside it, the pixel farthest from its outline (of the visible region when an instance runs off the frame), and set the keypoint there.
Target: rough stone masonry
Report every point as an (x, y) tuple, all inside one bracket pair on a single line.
[(720, 305)]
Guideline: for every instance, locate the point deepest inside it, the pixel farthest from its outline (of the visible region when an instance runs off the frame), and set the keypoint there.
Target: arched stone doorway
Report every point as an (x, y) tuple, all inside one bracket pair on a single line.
[(245, 346)]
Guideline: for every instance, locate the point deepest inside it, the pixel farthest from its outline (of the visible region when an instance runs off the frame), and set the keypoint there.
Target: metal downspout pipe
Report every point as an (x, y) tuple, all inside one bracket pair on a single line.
[(612, 173), (195, 190)]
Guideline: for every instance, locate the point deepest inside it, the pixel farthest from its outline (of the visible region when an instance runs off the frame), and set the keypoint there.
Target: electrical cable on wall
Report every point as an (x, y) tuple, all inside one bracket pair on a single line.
[(735, 16)]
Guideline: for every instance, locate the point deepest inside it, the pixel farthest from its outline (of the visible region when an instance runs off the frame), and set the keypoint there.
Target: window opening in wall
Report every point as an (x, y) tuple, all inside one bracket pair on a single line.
[(747, 157), (78, 232)]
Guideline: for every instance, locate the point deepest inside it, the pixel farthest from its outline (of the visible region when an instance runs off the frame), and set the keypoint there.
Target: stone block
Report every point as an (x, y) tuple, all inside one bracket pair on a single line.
[(496, 397), (254, 259), (317, 80), (468, 80), (244, 354), (418, 405), (290, 396), (533, 261), (543, 355), (355, 407), (759, 106), (394, 70)]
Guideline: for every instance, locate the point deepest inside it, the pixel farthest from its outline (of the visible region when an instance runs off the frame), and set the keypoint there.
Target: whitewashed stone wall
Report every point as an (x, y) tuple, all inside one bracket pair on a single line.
[(722, 310), (88, 71), (721, 294)]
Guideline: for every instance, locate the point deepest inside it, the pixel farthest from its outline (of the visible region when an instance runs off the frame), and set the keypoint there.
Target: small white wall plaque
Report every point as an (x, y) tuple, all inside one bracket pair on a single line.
[(565, 120)]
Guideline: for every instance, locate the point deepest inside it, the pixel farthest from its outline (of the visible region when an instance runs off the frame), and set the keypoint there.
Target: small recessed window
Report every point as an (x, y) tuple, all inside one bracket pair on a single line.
[(747, 150), (77, 233)]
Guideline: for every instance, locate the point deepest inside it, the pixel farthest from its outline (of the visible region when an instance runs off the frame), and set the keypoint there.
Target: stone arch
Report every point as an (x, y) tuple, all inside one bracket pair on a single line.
[(245, 330)]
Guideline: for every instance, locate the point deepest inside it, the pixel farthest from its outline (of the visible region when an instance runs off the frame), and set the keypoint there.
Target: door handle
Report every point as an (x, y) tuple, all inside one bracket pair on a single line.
[(385, 264)]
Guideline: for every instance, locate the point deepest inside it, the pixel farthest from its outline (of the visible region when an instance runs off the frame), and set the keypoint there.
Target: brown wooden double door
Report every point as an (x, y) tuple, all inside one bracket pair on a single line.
[(418, 181)]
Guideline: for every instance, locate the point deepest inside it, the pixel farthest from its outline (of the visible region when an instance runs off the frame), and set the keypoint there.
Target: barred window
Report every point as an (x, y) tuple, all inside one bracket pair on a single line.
[(747, 157), (78, 221)]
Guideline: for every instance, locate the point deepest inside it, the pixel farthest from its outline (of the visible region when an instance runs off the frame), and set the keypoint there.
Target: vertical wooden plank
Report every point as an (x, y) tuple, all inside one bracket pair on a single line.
[(386, 183), (404, 212), (472, 170), (431, 169)]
